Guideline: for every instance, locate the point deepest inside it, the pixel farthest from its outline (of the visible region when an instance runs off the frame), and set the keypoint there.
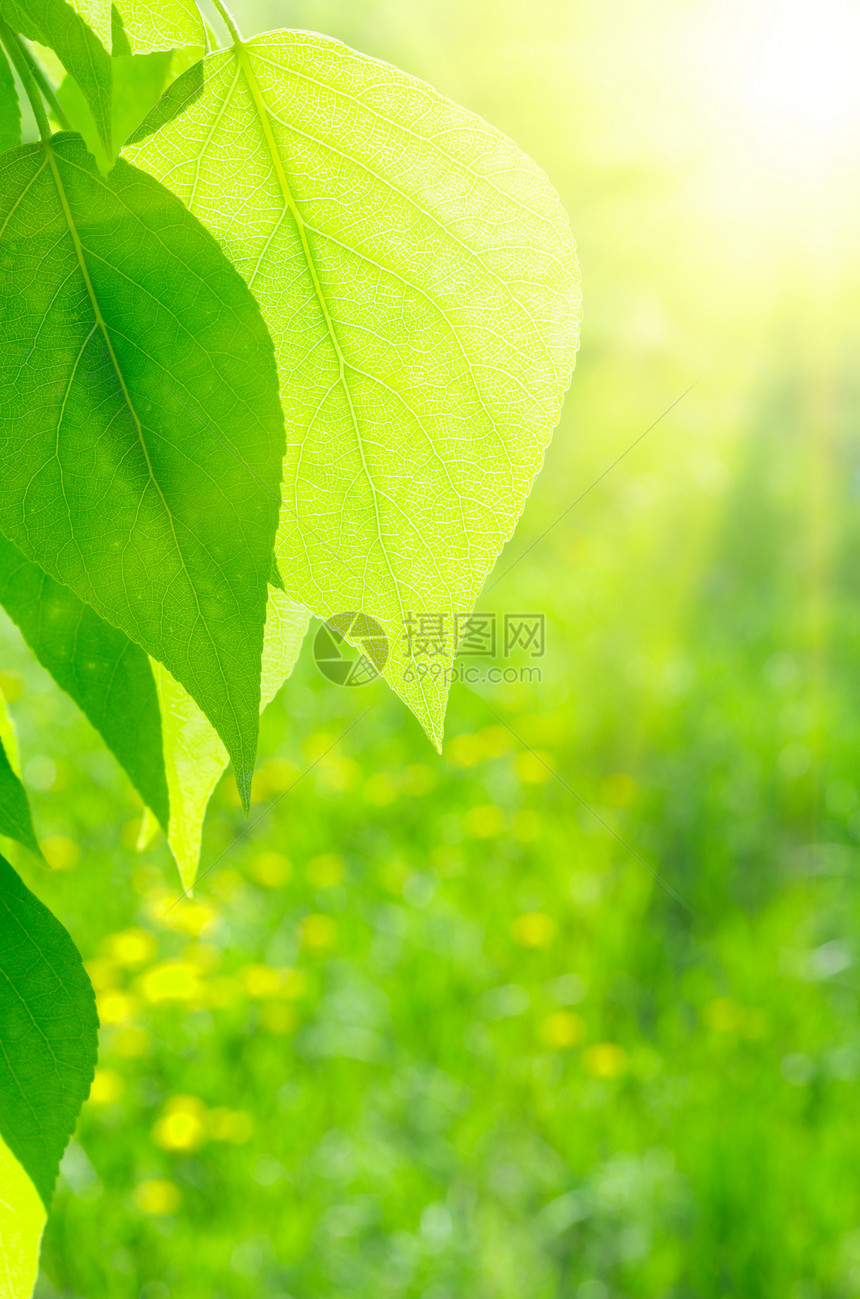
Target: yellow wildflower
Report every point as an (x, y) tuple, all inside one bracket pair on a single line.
[(234, 1126), (562, 1029), (170, 981), (182, 1126), (271, 869), (318, 931), (130, 947), (534, 929), (107, 1087), (157, 1197), (325, 871), (604, 1060)]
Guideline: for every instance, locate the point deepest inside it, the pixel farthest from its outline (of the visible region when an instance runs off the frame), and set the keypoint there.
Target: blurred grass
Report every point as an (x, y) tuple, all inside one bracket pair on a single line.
[(433, 1028)]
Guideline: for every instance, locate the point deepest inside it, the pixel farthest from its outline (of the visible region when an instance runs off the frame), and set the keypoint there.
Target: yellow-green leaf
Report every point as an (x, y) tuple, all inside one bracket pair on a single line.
[(194, 757), (161, 25), (418, 277), (22, 1221)]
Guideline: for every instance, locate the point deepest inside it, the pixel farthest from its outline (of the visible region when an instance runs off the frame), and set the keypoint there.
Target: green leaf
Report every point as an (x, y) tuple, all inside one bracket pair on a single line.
[(16, 821), (141, 436), (56, 24), (22, 1221), (10, 109), (138, 82), (194, 757), (160, 26), (107, 675), (419, 279), (97, 16), (49, 1031)]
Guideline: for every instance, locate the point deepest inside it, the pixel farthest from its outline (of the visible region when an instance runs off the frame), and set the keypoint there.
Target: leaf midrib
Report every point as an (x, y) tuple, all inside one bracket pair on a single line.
[(102, 324), (262, 112)]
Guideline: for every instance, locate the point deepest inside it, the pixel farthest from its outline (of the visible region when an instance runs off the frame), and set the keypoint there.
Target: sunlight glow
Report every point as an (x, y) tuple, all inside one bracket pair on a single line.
[(787, 75)]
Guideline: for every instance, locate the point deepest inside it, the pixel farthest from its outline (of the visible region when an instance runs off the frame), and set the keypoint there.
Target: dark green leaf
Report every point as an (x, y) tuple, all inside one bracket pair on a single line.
[(48, 1031), (141, 433), (15, 819), (107, 675), (55, 23), (10, 110)]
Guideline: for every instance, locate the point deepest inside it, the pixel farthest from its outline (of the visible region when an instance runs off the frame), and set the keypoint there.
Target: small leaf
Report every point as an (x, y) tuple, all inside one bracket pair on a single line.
[(15, 819), (106, 674), (194, 757), (22, 1221), (49, 1031), (419, 279), (56, 24), (10, 109), (149, 28), (141, 435)]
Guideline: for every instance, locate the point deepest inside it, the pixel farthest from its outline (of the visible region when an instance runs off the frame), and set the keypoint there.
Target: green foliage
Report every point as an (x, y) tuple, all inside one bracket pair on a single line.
[(300, 241), (138, 81), (56, 24), (148, 28), (143, 470), (48, 1027), (16, 821), (194, 757), (106, 674), (431, 346), (22, 1221)]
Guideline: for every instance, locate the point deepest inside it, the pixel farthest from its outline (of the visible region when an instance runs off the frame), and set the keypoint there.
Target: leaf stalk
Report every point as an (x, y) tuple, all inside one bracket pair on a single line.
[(228, 21), (24, 62)]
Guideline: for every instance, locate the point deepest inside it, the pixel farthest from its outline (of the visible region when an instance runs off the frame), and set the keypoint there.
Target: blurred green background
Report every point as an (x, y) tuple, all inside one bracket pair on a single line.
[(572, 1011)]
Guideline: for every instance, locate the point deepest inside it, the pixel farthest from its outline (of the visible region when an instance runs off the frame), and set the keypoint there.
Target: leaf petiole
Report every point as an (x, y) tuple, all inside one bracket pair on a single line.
[(46, 88), (24, 65), (228, 21)]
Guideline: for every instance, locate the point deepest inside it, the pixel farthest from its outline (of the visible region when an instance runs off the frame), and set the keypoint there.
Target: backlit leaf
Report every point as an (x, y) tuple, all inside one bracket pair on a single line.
[(194, 757), (419, 279), (97, 15), (138, 82), (49, 1031), (56, 24), (141, 436), (22, 1221), (148, 28), (106, 674)]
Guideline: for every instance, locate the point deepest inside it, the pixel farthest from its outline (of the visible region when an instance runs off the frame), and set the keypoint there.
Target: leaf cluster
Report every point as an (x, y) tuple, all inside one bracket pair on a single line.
[(284, 333)]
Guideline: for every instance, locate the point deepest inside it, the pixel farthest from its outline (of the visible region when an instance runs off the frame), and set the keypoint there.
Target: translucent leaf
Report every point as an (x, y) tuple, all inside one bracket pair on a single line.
[(97, 16), (419, 279), (22, 1221), (148, 28), (10, 109), (56, 24), (141, 435), (49, 1031), (138, 82), (194, 757), (107, 675), (16, 821)]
